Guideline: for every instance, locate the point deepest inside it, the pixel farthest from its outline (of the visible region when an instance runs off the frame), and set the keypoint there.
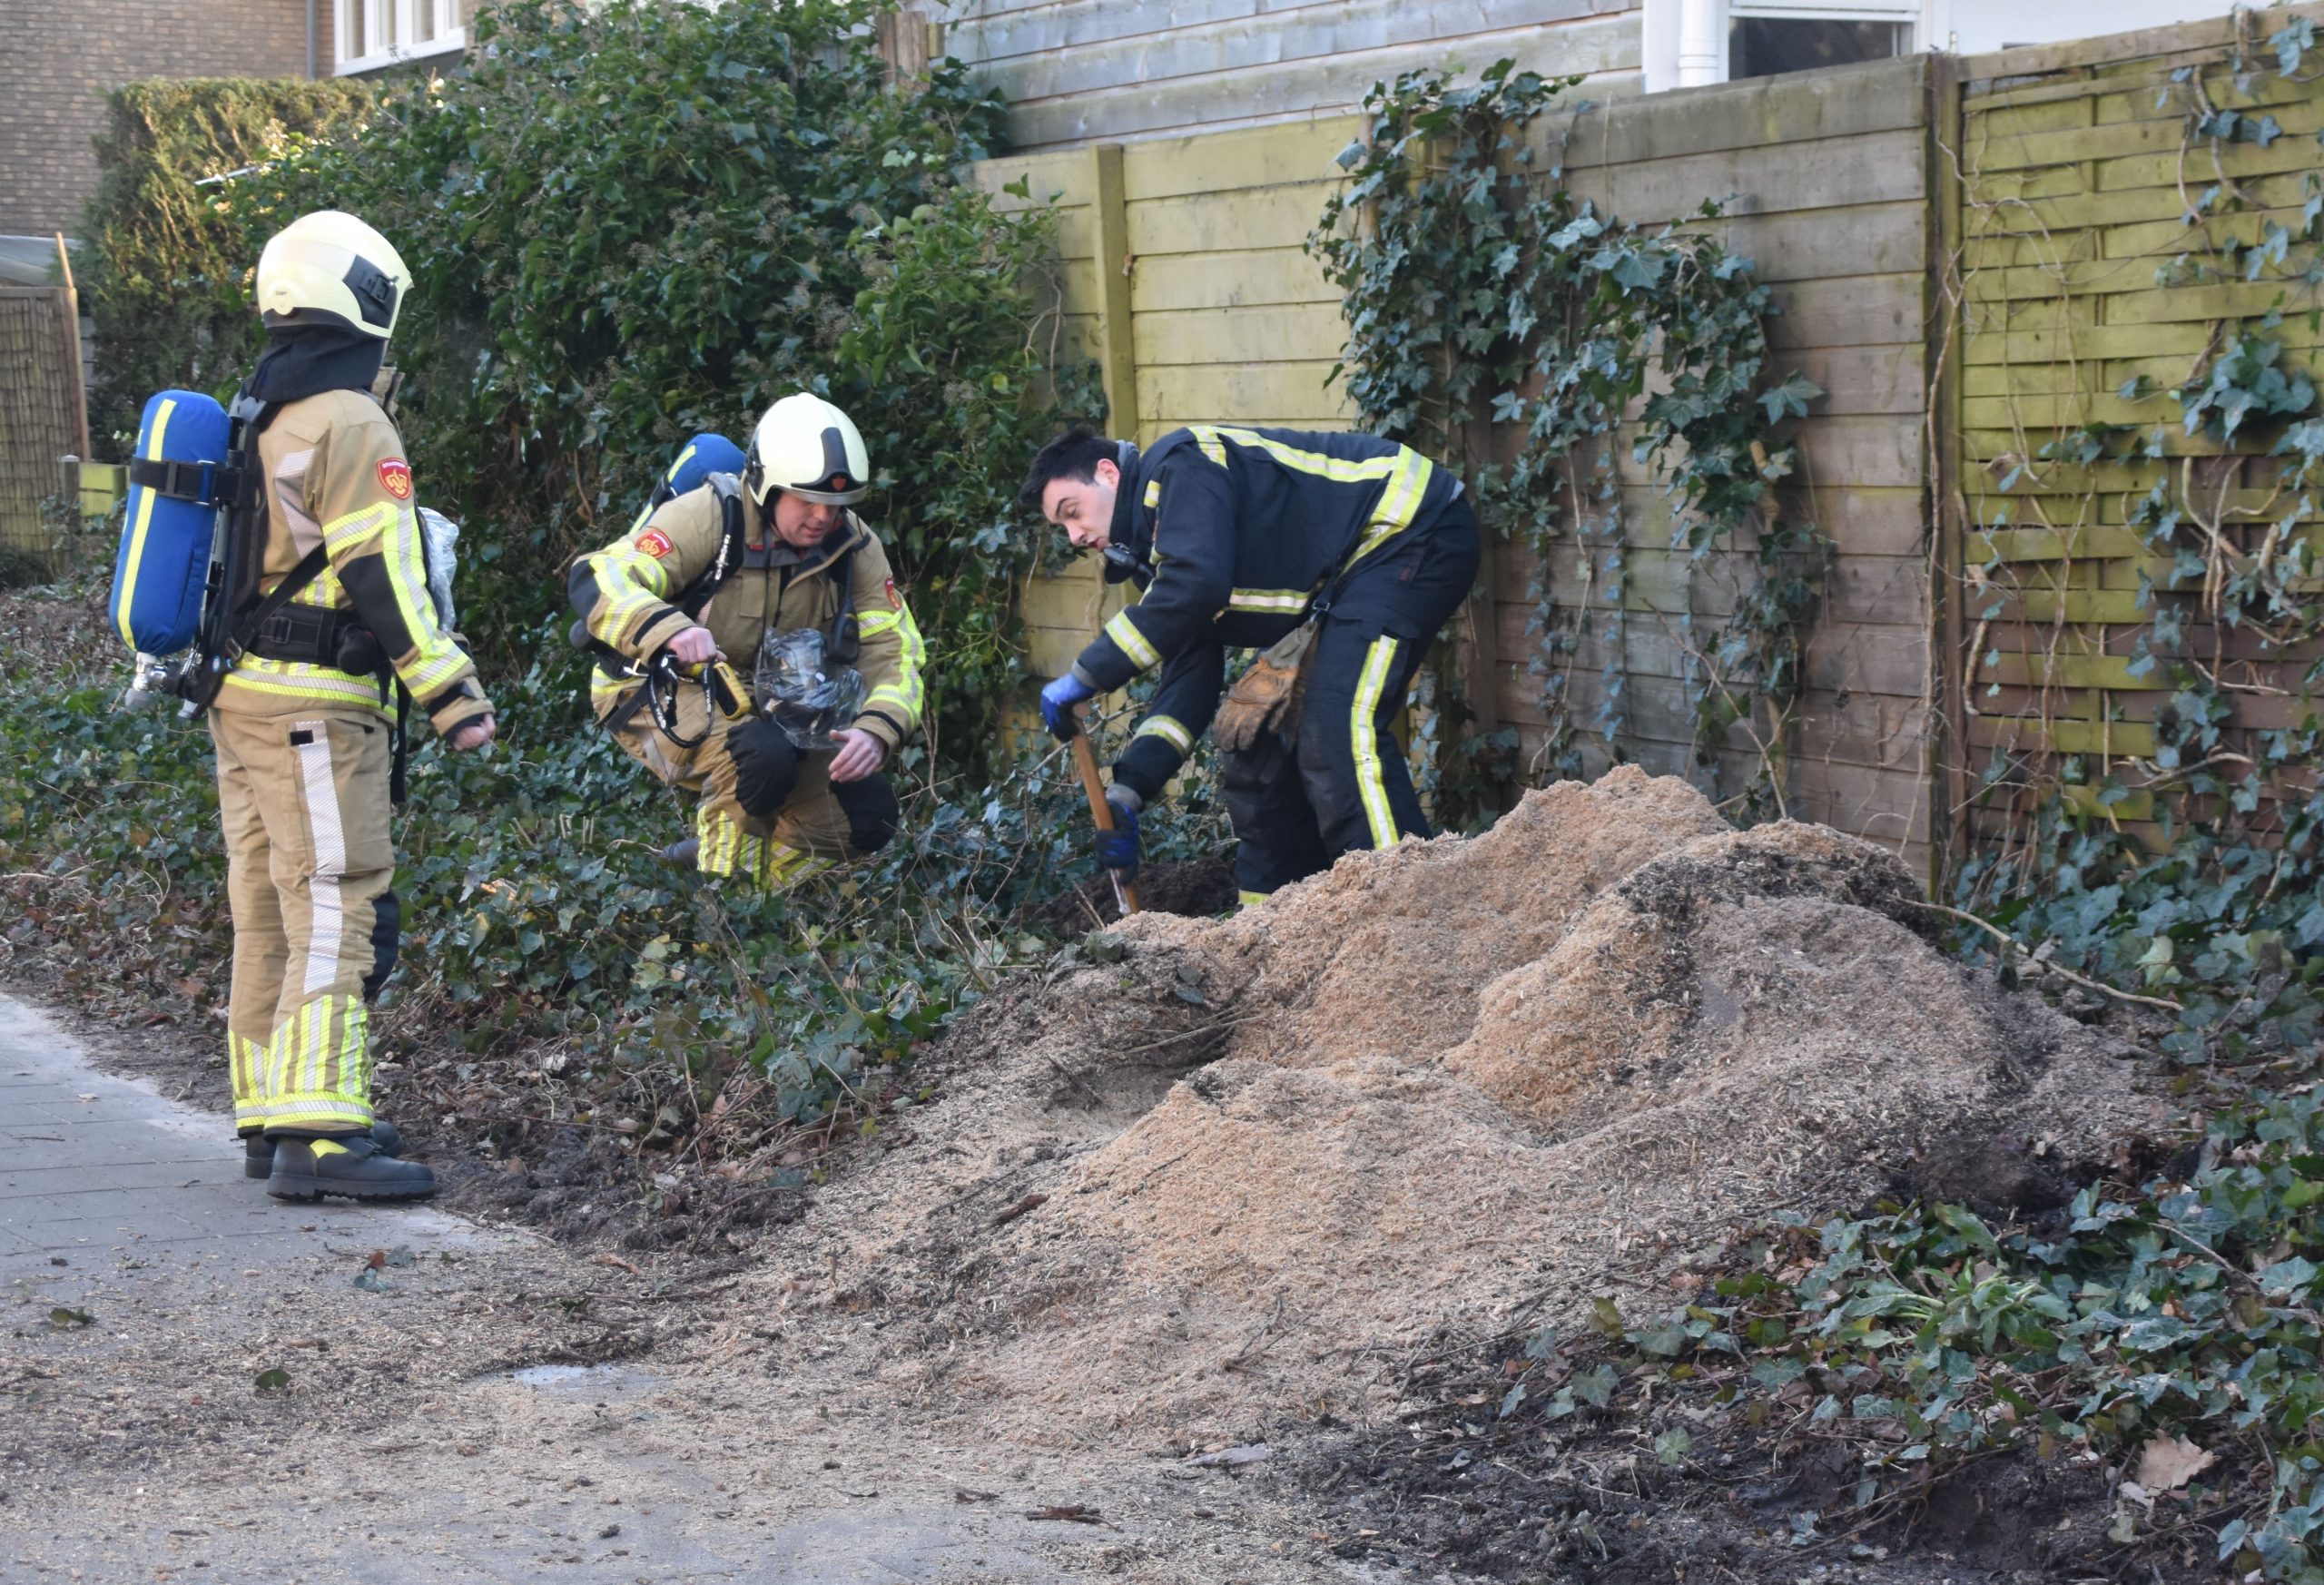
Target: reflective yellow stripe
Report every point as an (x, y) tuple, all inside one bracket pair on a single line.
[(1153, 494), (1293, 600), (294, 679), (1250, 899), (243, 1055), (137, 535), (1124, 632), (1170, 730), (1337, 470), (342, 534), (1405, 475), (1363, 737), (770, 865), (1207, 436), (908, 691), (1399, 503), (314, 1072), (435, 660)]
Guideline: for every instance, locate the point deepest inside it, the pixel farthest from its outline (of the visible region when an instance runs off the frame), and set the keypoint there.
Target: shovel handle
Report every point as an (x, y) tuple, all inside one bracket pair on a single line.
[(1084, 760)]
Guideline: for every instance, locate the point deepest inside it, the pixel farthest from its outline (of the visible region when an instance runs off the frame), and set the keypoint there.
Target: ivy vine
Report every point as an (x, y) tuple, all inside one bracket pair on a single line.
[(2218, 901), (1496, 319)]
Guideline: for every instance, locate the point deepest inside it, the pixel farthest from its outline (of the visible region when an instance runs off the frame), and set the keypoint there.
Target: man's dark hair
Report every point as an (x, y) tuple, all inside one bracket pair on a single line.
[(1074, 455)]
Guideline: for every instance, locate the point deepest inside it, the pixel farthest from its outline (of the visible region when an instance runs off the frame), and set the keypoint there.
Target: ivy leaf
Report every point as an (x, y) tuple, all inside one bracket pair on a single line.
[(1789, 399), (2286, 1278), (1595, 1386)]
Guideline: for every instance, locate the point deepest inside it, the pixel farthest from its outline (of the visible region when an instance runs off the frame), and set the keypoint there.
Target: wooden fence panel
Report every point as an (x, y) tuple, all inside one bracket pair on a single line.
[(1825, 179), (2073, 187), (42, 420), (1231, 320)]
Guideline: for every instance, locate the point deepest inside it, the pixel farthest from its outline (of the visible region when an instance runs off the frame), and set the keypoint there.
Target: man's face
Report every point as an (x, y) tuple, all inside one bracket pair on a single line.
[(1084, 511), (802, 525)]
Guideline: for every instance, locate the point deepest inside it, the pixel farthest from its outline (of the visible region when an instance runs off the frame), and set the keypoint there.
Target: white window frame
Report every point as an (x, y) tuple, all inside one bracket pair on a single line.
[(1660, 23), (405, 17)]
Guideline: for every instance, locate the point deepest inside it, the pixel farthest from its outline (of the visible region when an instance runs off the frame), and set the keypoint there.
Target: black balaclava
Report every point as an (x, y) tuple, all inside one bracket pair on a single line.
[(304, 360)]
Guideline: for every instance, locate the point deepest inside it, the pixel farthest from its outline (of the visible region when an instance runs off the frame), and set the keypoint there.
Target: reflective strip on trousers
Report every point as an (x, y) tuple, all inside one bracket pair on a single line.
[(314, 1073), (1363, 740), (725, 849)]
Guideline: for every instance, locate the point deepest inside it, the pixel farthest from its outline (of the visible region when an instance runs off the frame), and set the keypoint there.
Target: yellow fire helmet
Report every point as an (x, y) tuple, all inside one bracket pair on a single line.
[(807, 448), (328, 268)]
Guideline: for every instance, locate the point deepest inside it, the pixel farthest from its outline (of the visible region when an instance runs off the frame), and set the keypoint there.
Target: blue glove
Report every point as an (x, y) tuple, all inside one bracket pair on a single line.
[(1118, 848), (1058, 700)]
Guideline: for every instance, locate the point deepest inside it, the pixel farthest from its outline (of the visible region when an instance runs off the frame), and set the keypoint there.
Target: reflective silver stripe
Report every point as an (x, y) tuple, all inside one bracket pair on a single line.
[(327, 924), (1170, 730), (1124, 632), (1291, 600)]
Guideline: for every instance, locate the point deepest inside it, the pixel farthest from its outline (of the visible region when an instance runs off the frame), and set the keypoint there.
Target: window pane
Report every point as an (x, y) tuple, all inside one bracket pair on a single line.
[(1761, 47), (423, 20), (354, 38)]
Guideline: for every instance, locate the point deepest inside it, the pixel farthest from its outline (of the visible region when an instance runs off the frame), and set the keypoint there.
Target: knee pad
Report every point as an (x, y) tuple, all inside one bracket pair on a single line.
[(386, 942), (766, 767), (871, 810)]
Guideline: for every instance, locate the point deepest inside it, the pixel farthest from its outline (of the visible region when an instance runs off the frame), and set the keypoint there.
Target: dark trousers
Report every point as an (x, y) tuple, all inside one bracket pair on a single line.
[(1341, 782)]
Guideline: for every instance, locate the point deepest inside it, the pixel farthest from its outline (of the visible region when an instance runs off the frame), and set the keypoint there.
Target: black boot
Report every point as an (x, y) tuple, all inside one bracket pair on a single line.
[(257, 1150), (349, 1166)]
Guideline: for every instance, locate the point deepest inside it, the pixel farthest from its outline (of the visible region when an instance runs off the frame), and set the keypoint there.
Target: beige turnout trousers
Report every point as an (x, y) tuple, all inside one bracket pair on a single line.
[(309, 874), (807, 836)]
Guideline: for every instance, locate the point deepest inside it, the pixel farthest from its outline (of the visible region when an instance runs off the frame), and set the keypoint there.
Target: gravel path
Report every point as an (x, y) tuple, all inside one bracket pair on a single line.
[(487, 1406)]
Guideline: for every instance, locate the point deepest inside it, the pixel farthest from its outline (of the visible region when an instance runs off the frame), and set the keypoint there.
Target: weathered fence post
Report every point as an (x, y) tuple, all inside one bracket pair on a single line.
[(1117, 350)]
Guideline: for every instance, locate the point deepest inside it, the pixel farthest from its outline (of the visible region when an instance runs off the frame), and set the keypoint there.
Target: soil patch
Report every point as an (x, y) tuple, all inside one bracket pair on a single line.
[(1599, 1502), (1204, 1181), (1197, 888)]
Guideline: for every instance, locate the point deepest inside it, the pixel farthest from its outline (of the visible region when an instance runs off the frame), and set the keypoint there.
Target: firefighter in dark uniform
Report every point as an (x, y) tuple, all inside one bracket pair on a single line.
[(1341, 556)]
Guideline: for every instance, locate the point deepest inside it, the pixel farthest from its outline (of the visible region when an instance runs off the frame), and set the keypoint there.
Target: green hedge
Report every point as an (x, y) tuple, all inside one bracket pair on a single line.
[(167, 267)]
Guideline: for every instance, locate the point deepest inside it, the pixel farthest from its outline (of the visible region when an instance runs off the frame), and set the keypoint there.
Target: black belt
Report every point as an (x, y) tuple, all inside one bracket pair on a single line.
[(316, 635)]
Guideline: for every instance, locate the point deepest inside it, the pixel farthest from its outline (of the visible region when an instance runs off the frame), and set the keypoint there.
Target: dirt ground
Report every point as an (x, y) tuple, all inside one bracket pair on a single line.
[(1205, 1188)]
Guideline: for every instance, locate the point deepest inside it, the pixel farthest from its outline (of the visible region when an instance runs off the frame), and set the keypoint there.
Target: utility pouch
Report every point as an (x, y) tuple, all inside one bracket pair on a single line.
[(1268, 694)]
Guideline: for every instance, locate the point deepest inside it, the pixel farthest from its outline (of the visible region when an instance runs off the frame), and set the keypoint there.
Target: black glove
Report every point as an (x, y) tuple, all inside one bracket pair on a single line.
[(766, 767), (871, 810)]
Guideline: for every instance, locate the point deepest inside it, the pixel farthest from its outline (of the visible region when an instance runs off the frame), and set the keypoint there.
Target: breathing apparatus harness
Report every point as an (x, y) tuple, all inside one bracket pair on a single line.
[(236, 619)]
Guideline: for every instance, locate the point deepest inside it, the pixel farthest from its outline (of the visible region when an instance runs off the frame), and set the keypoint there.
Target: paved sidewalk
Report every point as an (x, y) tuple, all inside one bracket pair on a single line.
[(115, 1199), (99, 1173)]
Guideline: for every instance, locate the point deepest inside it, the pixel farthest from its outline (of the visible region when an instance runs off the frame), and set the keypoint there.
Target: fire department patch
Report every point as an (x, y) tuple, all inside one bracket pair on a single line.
[(894, 599), (395, 477), (654, 543)]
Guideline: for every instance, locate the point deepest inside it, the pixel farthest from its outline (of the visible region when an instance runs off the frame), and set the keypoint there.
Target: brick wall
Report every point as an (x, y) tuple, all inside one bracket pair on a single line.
[(62, 60)]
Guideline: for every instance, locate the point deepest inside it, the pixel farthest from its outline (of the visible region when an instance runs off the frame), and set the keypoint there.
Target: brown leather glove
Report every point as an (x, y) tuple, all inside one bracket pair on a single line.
[(1267, 695)]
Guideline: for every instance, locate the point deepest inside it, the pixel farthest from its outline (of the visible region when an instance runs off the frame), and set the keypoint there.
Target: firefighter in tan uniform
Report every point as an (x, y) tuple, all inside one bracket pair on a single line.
[(303, 724), (707, 578)]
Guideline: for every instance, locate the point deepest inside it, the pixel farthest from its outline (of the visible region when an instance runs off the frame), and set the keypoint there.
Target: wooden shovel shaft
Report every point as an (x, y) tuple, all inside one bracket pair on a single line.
[(1085, 759)]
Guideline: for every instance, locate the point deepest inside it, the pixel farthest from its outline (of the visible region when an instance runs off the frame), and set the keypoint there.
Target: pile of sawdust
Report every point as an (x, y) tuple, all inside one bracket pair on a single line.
[(1253, 1164)]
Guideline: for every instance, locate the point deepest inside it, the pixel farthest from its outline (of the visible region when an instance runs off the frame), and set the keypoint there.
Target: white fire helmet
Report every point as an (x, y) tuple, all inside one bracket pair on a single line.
[(328, 268), (807, 448)]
